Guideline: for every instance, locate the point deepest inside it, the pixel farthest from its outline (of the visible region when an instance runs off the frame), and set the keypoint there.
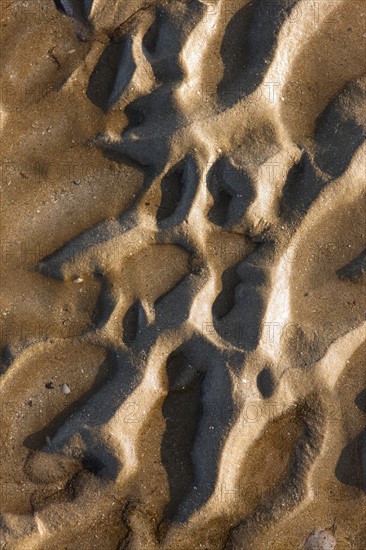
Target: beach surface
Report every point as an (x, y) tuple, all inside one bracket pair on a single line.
[(182, 275)]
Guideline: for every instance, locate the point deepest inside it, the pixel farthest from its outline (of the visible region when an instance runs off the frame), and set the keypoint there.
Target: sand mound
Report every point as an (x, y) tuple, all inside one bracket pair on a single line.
[(183, 275)]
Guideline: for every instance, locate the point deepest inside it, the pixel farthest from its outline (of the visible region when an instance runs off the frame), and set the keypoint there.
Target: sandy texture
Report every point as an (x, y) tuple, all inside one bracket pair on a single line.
[(183, 275)]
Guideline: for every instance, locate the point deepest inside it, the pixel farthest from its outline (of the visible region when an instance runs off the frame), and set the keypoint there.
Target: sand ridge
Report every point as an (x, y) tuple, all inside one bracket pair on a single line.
[(183, 246)]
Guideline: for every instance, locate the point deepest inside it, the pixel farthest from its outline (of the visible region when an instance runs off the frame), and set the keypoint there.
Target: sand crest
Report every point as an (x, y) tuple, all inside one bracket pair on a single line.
[(182, 275)]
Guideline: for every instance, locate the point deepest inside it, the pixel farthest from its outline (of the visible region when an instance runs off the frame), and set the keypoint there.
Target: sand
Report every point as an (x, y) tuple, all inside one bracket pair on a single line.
[(183, 275)]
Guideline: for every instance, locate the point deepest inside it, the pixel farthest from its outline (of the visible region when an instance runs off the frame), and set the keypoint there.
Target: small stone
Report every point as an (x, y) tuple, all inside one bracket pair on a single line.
[(320, 540), (78, 280), (77, 182), (49, 385), (65, 389)]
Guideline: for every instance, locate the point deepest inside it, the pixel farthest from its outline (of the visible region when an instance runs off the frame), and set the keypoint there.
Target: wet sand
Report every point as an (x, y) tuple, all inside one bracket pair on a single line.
[(182, 275)]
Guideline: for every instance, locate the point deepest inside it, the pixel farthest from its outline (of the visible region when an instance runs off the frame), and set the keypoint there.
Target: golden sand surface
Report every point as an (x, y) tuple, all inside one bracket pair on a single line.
[(182, 273)]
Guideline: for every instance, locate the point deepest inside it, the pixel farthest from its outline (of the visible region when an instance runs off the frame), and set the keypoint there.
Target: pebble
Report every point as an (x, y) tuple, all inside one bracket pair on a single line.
[(65, 389), (78, 280), (320, 540)]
